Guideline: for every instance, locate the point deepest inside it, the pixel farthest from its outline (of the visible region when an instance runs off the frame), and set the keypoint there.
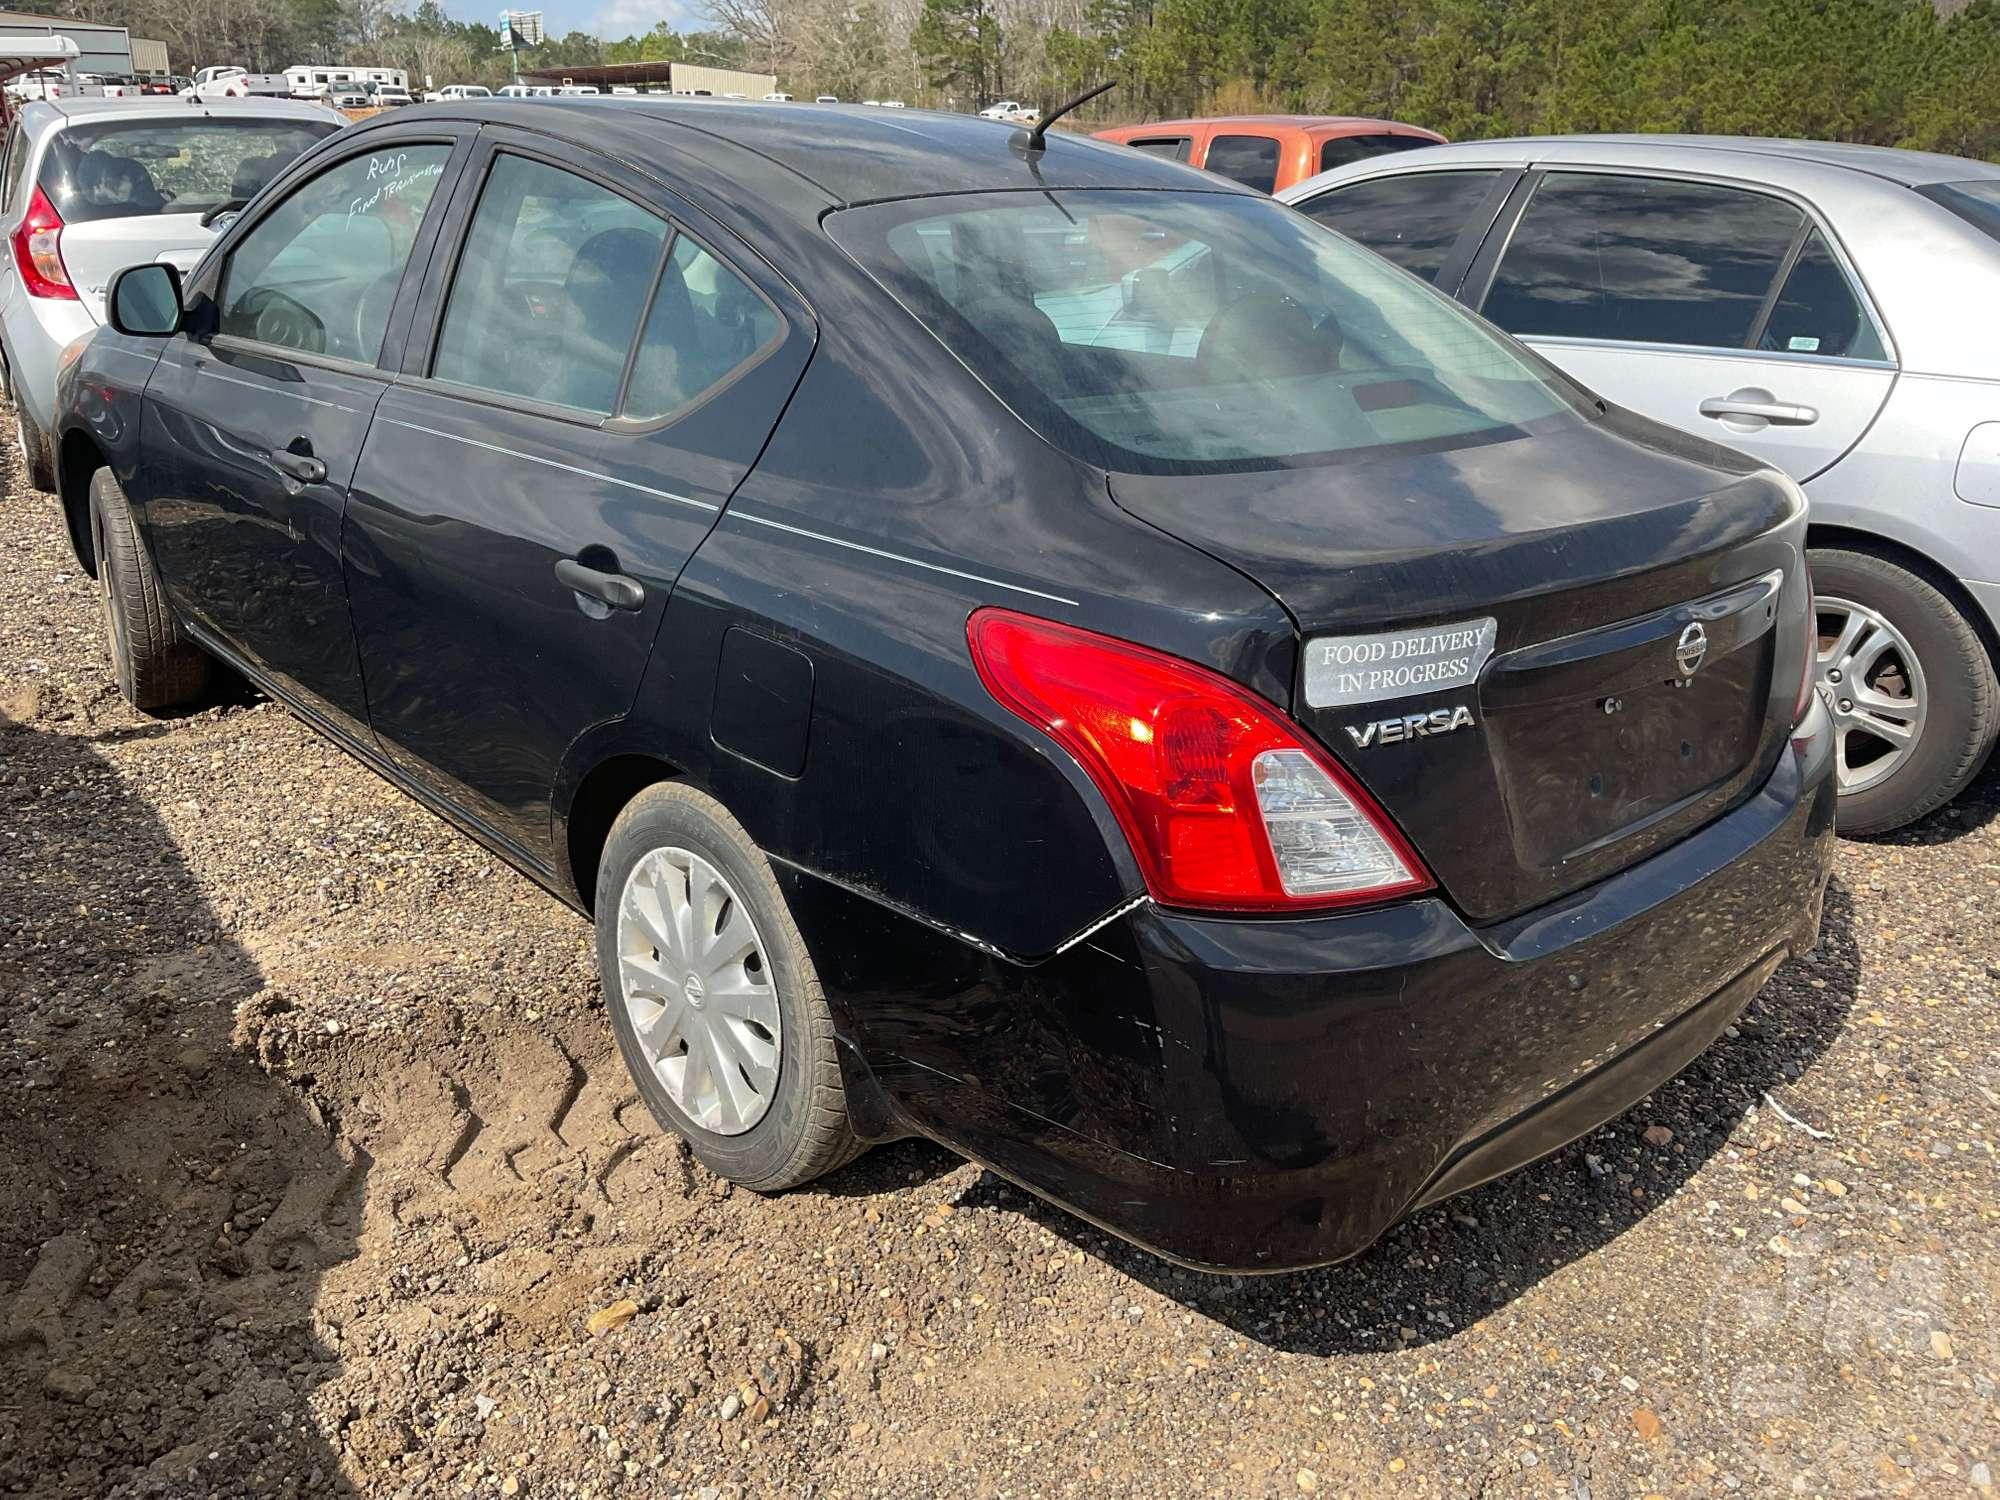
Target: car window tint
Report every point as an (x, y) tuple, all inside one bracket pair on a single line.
[(319, 273), (1249, 159), (706, 323), (1170, 332), (550, 288), (1978, 203), (1818, 311), (17, 161), (1343, 149), (124, 168), (1173, 147), (1414, 220), (1644, 259)]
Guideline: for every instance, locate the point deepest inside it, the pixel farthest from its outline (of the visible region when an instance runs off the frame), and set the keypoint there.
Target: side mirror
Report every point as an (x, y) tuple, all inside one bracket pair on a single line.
[(145, 301)]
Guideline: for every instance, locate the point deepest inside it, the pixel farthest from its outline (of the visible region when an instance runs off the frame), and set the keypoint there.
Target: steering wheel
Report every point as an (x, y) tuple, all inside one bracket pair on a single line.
[(285, 321)]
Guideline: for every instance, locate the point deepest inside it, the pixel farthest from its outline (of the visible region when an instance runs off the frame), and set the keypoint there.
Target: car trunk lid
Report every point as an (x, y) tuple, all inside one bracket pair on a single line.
[(1500, 640)]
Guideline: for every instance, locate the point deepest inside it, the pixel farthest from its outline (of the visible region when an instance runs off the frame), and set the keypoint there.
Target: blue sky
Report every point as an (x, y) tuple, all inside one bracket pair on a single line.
[(610, 19)]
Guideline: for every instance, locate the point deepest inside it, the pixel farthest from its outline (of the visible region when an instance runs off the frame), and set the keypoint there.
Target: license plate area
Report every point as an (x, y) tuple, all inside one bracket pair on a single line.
[(1599, 736)]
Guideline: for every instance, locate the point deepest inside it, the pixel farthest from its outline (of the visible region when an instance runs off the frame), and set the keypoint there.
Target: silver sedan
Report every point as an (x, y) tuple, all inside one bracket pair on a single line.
[(1827, 308)]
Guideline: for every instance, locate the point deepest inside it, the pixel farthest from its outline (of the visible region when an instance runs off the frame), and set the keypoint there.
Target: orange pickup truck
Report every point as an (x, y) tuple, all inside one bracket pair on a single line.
[(1269, 152)]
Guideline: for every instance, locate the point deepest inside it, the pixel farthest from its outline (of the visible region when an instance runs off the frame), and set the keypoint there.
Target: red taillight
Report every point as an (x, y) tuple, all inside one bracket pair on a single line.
[(1809, 679), (1225, 805), (38, 250)]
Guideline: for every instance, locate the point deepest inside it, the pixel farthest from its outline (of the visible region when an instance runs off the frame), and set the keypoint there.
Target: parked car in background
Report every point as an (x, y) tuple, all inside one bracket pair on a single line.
[(454, 92), (1809, 304), (387, 95), (230, 82), (826, 99), (528, 91), (91, 185), (348, 96), (1003, 109), (1037, 648), (778, 98), (1271, 152)]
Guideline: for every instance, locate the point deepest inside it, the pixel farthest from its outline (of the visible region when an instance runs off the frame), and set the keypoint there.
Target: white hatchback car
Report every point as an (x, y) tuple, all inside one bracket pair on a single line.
[(91, 186)]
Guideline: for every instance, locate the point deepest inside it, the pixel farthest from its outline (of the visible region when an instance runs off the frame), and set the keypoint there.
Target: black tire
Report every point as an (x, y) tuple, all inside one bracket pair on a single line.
[(36, 461), (156, 665), (1962, 710), (805, 1131)]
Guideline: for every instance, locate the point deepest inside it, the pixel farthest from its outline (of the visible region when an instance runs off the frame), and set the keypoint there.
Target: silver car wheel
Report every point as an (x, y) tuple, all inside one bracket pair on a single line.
[(695, 982), (1873, 685)]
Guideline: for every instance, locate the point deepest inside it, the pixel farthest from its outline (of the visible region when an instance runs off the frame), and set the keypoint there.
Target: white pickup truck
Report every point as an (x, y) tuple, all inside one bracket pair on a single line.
[(237, 83)]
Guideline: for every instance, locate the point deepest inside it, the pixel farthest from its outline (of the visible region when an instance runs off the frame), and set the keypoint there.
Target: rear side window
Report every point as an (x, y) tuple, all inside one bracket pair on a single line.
[(707, 322), (319, 273), (1249, 159), (1173, 148), (17, 163), (164, 164), (1643, 260), (557, 277), (1818, 311), (550, 288), (1343, 149), (1414, 220)]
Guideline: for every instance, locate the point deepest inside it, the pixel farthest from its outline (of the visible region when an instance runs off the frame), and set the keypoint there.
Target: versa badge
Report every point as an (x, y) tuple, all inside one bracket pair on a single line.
[(1410, 727)]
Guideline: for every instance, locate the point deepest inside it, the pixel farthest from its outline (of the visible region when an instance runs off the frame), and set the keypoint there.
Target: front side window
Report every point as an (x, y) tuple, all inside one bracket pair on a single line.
[(1343, 149), (319, 273), (1643, 260), (1249, 159), (1414, 220), (550, 288), (160, 164), (1164, 332)]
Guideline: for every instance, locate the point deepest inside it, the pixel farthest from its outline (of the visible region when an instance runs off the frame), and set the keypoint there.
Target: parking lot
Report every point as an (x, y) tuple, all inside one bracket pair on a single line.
[(318, 1162)]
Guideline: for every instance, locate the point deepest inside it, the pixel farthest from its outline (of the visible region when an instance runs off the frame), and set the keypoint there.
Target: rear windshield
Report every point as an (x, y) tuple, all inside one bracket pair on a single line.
[(1342, 149), (168, 165), (1162, 332), (1978, 203)]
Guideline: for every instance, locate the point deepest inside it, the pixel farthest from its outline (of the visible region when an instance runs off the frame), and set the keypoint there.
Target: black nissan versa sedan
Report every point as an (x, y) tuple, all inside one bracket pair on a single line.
[(1031, 645)]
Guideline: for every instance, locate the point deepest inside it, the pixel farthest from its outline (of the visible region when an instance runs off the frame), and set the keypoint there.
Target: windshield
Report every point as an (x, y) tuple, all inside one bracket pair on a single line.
[(1164, 332), (1978, 203), (168, 165)]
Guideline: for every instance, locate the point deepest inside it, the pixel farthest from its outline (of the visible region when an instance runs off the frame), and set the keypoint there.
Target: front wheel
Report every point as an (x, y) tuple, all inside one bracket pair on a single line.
[(1909, 685), (713, 998)]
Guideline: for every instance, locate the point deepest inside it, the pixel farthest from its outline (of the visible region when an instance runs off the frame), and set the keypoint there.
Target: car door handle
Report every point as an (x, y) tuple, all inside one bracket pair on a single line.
[(300, 466), (612, 589), (1778, 413)]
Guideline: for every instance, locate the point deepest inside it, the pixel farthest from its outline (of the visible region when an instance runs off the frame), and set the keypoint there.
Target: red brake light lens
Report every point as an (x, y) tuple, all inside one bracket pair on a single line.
[(38, 250), (1224, 803)]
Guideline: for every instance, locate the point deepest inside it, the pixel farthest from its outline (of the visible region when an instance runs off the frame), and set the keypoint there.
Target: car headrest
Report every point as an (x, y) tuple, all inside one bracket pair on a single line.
[(1267, 334)]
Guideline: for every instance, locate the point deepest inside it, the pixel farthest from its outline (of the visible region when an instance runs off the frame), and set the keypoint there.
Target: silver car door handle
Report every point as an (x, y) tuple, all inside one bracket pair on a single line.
[(1778, 413)]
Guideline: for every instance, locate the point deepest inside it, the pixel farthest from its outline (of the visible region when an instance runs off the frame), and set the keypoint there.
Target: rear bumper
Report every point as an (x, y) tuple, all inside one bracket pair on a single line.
[(1263, 1095), (37, 330)]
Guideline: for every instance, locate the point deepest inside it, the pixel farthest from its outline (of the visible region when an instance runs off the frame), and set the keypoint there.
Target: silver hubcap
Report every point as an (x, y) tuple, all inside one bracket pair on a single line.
[(1873, 685), (696, 985)]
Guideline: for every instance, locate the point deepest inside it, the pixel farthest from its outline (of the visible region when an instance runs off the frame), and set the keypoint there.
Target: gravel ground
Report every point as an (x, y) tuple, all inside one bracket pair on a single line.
[(320, 1176)]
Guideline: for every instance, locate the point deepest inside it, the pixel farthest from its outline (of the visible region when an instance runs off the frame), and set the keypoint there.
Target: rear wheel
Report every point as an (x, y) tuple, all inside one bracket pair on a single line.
[(157, 667), (713, 998), (1909, 685)]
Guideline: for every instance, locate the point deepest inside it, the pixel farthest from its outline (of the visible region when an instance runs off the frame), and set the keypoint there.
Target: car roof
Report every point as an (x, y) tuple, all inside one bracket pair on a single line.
[(1774, 158), (852, 153), (89, 107), (1327, 124)]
